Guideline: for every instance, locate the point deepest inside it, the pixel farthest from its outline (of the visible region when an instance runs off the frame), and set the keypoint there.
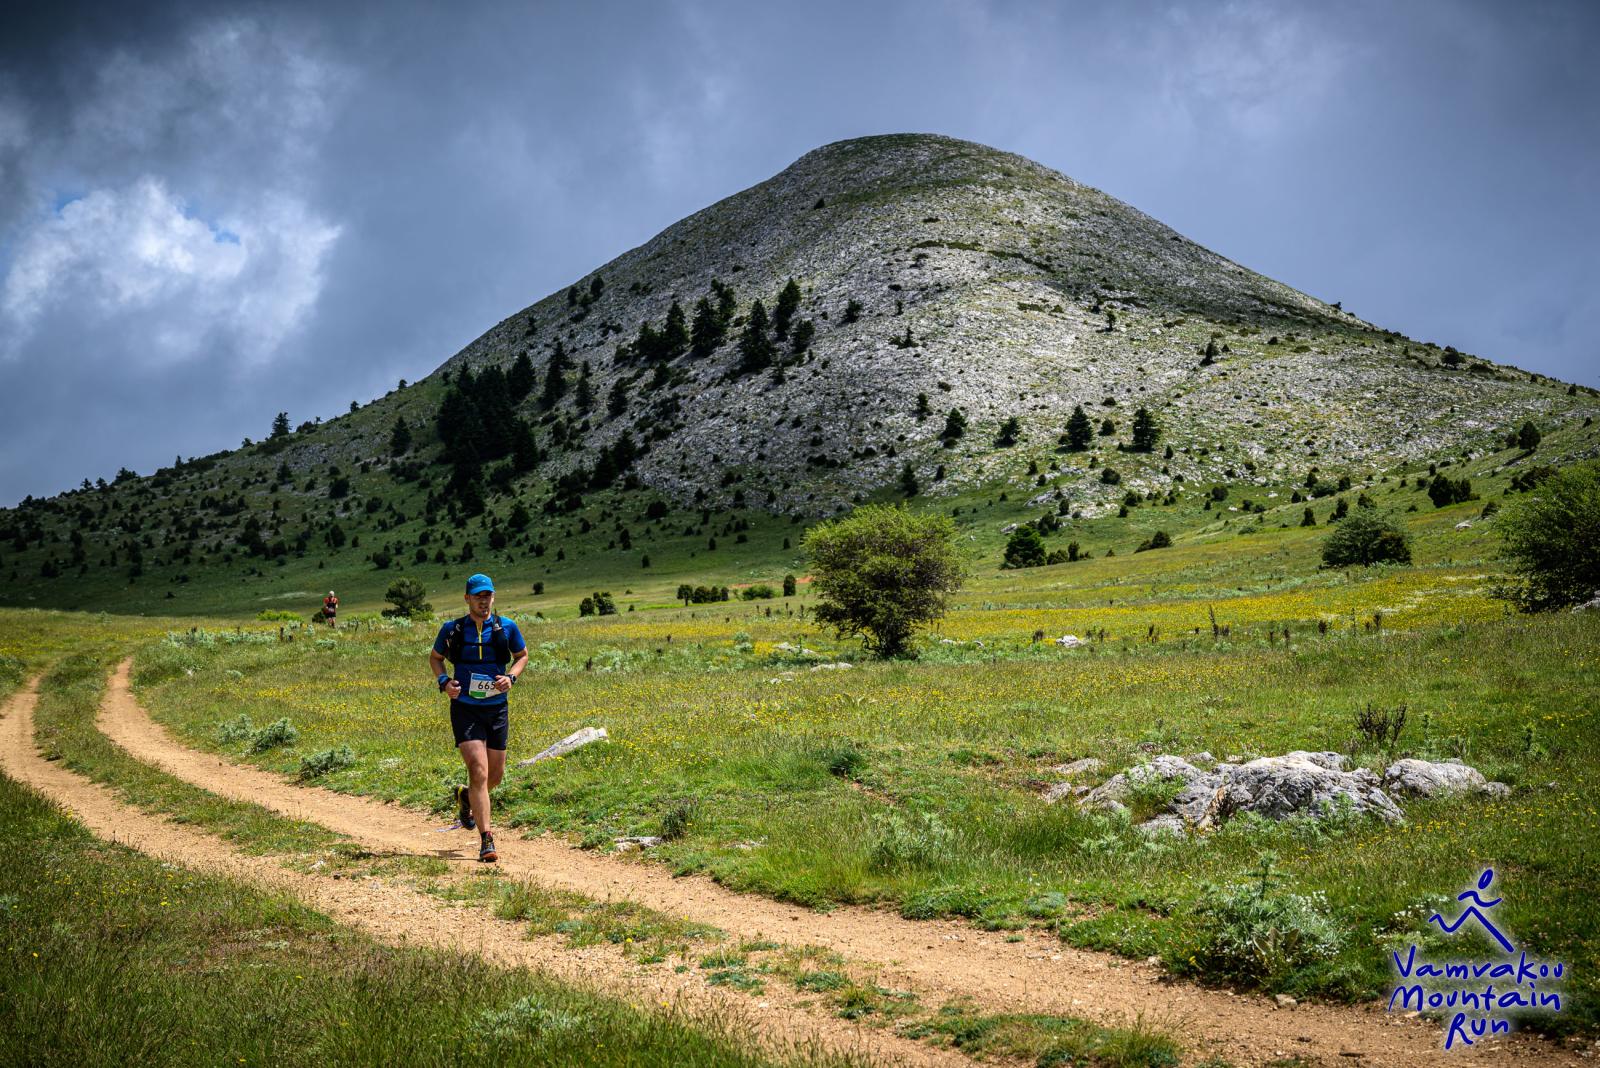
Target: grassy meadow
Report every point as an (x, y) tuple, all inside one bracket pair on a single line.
[(780, 760), (915, 784)]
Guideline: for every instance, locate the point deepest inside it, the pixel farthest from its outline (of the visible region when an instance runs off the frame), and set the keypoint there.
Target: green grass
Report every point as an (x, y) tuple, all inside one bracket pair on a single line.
[(65, 729), (1049, 1041), (913, 783), (108, 957)]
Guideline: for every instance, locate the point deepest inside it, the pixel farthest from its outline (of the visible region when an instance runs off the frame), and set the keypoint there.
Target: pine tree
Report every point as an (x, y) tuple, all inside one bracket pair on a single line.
[(1080, 432), (1009, 430), (675, 335), (708, 331), (924, 409), (908, 481), (783, 313), (400, 438), (520, 379), (727, 304), (1145, 431), (1528, 437), (584, 397), (955, 425), (617, 400), (280, 426), (852, 311), (804, 331), (755, 345), (555, 382)]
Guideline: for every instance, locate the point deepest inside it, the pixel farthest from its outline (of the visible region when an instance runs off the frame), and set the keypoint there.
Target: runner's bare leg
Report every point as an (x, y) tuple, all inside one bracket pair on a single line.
[(476, 755)]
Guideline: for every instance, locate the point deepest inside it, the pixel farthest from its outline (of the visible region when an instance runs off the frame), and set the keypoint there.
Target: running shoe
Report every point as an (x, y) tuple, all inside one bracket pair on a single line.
[(464, 808), (486, 852)]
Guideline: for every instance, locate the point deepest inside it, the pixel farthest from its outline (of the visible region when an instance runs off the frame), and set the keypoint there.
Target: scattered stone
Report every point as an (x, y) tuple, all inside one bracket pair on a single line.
[(1422, 778), (1086, 766), (576, 740), (636, 841), (1069, 641), (794, 650), (1465, 524), (1285, 1001), (1591, 605), (837, 666)]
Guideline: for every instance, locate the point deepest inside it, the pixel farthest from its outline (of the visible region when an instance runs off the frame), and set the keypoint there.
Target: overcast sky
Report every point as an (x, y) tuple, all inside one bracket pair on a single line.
[(210, 212)]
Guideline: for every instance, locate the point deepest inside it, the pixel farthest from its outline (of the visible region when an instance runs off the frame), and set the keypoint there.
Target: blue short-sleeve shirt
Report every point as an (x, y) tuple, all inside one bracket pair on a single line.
[(478, 656)]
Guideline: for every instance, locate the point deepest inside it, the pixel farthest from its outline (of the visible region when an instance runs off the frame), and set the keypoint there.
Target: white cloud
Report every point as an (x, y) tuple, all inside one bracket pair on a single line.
[(135, 254)]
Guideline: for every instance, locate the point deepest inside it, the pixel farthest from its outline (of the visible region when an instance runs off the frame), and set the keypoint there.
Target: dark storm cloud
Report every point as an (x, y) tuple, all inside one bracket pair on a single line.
[(210, 213)]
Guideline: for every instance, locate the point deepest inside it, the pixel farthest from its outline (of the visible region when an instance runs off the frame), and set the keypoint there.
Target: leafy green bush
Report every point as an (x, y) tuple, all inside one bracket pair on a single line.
[(1551, 539), (277, 615), (409, 598), (881, 572), (1025, 548), (1366, 537), (273, 735), (315, 765)]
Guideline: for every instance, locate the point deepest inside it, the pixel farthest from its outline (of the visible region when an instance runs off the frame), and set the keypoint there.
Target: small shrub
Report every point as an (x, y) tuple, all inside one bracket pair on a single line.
[(526, 1017), (273, 735), (276, 615), (677, 821), (1258, 935), (1380, 727), (918, 840), (235, 730), (315, 765)]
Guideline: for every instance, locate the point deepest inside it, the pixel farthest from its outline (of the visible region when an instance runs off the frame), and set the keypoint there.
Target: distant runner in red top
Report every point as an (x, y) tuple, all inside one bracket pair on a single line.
[(330, 607)]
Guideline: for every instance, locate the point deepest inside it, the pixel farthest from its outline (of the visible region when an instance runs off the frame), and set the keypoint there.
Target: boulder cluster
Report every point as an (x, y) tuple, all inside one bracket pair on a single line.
[(1317, 784)]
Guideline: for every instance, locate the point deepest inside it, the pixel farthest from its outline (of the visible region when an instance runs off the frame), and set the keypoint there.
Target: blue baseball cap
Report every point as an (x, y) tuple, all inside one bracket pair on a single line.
[(480, 584)]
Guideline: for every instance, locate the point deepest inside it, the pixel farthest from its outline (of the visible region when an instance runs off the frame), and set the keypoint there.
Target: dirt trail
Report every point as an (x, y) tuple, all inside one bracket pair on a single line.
[(775, 1020), (937, 959)]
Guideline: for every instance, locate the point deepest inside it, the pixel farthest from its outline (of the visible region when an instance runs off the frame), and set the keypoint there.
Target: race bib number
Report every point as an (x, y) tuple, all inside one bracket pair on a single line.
[(480, 686)]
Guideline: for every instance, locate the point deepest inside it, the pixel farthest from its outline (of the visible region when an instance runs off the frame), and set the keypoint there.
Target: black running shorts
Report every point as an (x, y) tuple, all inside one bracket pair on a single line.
[(481, 723)]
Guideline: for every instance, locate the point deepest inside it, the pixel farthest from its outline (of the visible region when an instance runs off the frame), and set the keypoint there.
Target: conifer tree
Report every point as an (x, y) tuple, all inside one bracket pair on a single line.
[(755, 345), (955, 425), (908, 481), (584, 397), (617, 399), (400, 438), (1080, 432), (924, 409), (708, 331), (555, 382), (1009, 430), (280, 426), (675, 335), (1145, 431), (783, 313), (801, 336), (727, 305), (520, 379)]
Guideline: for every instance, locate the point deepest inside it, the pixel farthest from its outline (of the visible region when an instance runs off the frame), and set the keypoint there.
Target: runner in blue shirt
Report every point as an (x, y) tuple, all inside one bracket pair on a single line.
[(486, 654)]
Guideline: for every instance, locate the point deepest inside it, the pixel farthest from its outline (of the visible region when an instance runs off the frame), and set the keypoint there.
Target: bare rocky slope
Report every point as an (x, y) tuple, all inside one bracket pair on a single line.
[(1003, 271)]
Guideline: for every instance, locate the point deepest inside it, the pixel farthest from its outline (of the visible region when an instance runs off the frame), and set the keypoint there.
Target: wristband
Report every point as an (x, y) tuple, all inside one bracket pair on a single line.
[(444, 680), (512, 677)]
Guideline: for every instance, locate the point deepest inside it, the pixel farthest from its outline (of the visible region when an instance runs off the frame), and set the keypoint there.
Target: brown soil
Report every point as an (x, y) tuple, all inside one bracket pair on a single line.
[(939, 960)]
